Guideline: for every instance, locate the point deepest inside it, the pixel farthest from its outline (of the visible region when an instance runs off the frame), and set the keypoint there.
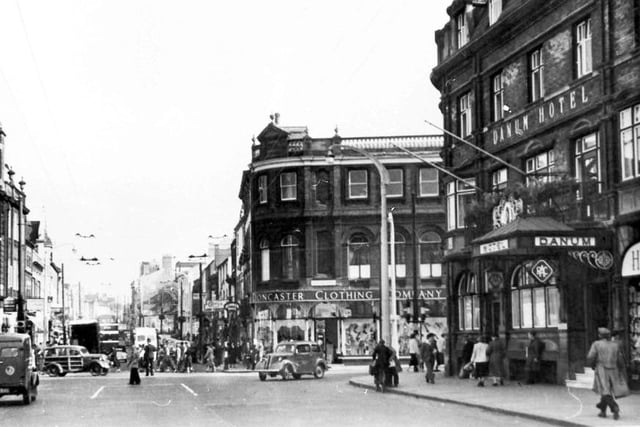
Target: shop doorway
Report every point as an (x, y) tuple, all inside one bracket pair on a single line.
[(597, 310), (495, 315), (327, 335)]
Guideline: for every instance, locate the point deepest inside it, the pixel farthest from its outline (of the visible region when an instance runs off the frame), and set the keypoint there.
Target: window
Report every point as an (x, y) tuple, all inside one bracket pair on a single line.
[(400, 255), (461, 28), (288, 186), (324, 254), (583, 48), (430, 255), (534, 304), (464, 119), (358, 184), (459, 196), (536, 86), (304, 348), (262, 189), (358, 248), (495, 9), (587, 162), (429, 182), (497, 97), (394, 188), (499, 179), (264, 260), (468, 303), (630, 141), (321, 187), (541, 166), (290, 257)]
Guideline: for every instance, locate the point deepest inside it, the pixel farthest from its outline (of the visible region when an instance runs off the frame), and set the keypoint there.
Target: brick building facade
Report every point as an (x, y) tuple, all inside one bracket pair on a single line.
[(537, 233)]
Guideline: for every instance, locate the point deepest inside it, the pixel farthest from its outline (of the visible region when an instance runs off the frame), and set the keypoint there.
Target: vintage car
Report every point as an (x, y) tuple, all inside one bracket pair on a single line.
[(18, 374), (62, 359), (293, 359)]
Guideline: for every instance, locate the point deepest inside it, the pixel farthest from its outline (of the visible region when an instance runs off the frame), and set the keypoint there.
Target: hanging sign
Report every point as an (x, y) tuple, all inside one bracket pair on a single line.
[(599, 260), (631, 261)]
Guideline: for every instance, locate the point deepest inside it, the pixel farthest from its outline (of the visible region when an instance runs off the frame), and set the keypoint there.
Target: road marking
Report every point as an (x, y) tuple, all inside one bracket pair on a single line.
[(189, 390), (97, 392), (158, 404)]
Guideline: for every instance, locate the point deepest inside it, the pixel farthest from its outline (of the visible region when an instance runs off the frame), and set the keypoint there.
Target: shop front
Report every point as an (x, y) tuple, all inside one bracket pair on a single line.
[(631, 279), (344, 322)]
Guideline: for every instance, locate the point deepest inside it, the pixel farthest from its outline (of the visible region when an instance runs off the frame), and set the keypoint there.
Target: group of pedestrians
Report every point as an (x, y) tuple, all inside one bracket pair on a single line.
[(385, 366), (425, 356), (142, 356)]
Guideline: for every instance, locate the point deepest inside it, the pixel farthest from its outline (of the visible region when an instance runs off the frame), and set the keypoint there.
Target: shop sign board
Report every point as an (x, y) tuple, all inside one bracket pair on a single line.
[(343, 295), (565, 241), (325, 282), (630, 262), (35, 304), (498, 246)]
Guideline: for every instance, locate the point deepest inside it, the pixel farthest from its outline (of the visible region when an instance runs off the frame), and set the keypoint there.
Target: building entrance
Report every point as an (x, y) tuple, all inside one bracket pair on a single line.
[(597, 313)]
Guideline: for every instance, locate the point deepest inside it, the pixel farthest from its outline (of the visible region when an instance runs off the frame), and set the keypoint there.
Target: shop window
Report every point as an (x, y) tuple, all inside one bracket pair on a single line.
[(360, 337), (459, 195), (429, 185), (288, 186), (468, 303), (262, 189), (430, 255), (630, 142), (395, 186), (358, 184), (535, 304), (497, 97), (587, 162), (324, 254), (264, 260), (536, 68), (400, 255), (499, 179), (290, 257), (462, 30), (495, 9), (359, 257), (540, 167), (464, 114), (583, 54)]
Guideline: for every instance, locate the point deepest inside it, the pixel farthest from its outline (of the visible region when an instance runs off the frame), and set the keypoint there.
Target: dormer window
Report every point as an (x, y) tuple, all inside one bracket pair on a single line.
[(495, 9), (462, 29)]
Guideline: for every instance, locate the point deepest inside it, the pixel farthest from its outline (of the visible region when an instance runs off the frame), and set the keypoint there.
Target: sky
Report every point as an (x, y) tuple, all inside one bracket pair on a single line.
[(132, 119)]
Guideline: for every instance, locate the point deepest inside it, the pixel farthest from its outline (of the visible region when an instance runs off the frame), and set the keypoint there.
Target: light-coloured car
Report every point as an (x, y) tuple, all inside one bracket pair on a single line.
[(293, 359)]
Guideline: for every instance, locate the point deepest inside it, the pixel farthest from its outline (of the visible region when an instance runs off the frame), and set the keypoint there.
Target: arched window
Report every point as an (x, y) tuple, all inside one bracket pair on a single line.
[(535, 303), (400, 254), (358, 248), (430, 255), (264, 260), (290, 257), (468, 302)]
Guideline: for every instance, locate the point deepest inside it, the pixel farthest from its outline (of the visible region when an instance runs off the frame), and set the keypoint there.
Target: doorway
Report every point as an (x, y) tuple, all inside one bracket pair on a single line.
[(597, 310), (495, 314)]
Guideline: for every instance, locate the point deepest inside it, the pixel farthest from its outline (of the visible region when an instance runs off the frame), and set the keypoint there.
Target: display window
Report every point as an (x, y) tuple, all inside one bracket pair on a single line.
[(634, 330), (359, 337)]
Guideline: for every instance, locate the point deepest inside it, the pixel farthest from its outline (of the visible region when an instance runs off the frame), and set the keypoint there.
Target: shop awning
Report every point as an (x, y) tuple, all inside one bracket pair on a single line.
[(529, 225)]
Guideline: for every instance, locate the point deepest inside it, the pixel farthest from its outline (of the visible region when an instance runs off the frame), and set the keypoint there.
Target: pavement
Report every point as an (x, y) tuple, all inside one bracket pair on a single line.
[(554, 404)]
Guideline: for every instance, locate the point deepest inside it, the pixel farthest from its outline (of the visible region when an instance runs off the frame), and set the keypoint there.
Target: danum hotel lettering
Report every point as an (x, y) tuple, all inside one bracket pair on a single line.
[(507, 131)]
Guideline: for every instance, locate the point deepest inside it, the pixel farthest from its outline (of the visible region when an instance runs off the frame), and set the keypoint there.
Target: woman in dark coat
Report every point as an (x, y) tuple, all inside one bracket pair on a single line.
[(533, 359), (497, 351)]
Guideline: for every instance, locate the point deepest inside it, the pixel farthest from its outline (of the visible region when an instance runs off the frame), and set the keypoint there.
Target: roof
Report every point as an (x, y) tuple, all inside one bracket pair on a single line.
[(526, 225)]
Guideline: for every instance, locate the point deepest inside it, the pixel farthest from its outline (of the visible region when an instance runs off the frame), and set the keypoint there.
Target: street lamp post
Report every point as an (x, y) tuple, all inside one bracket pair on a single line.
[(384, 272), (200, 311)]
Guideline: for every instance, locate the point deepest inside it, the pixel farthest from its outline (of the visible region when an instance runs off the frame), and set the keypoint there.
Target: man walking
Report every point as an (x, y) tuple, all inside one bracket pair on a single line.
[(605, 357), (533, 363), (381, 356), (497, 352), (428, 350), (414, 349), (149, 355)]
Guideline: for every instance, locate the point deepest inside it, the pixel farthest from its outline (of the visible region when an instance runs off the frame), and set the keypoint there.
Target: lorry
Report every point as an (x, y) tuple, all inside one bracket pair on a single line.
[(85, 333)]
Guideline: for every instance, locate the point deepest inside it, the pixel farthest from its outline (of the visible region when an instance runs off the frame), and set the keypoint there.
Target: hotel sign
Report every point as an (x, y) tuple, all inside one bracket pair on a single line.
[(565, 241), (512, 130), (342, 295), (631, 261), (492, 247)]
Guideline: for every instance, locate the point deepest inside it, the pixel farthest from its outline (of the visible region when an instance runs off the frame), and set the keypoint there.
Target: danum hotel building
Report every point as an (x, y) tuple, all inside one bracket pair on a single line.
[(542, 234)]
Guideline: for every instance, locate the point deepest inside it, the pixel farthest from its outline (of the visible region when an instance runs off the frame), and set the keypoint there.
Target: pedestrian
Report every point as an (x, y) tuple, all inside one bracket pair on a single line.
[(605, 357), (444, 352), (532, 366), (381, 355), (133, 359), (394, 367), (480, 360), (189, 356), (113, 357), (428, 351), (225, 355), (414, 350), (149, 355), (467, 351), (497, 352), (208, 358)]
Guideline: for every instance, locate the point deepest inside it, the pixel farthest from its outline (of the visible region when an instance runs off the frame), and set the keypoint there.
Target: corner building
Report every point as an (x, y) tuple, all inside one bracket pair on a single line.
[(540, 228), (310, 262)]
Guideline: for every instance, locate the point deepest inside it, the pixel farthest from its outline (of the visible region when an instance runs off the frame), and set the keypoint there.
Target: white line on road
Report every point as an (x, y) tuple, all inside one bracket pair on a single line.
[(97, 392), (189, 390)]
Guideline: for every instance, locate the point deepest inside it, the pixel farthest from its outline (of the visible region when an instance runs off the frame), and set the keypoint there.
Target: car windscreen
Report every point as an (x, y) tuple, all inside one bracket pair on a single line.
[(284, 348), (9, 352)]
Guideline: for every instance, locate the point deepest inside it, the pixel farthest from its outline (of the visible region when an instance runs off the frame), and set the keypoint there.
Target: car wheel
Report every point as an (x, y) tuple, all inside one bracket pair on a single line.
[(95, 369), (287, 373), (62, 374), (53, 371), (318, 372), (104, 372), (262, 376)]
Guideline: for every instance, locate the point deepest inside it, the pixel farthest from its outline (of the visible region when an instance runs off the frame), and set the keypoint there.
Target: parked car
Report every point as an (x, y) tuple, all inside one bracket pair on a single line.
[(62, 359), (18, 374), (292, 360)]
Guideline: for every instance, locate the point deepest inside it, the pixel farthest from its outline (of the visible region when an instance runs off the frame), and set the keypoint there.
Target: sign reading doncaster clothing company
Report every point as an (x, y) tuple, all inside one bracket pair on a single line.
[(342, 295), (565, 241), (631, 261)]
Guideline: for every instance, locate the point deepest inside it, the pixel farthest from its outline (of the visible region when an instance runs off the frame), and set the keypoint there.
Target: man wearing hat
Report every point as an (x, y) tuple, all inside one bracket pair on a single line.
[(605, 357)]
